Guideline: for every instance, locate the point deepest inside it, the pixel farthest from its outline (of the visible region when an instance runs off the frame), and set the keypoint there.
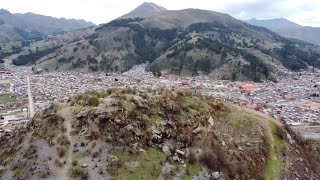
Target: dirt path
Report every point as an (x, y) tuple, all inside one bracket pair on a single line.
[(266, 123), (63, 173)]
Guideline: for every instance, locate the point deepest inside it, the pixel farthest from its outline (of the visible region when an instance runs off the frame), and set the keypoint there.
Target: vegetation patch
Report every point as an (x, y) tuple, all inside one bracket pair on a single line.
[(79, 172), (150, 165), (278, 147), (7, 98)]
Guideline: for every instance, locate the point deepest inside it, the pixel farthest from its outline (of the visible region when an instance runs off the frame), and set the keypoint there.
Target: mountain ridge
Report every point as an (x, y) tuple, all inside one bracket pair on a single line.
[(185, 42), (26, 26), (289, 29)]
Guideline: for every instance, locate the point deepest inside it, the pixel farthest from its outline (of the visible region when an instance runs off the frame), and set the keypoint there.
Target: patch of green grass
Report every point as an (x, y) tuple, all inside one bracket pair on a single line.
[(2, 68), (150, 165), (82, 154), (154, 121), (192, 170), (7, 47), (6, 98), (192, 108), (275, 161), (242, 122)]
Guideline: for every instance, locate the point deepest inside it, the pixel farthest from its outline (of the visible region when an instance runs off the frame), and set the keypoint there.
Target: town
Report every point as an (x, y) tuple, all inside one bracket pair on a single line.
[(294, 100)]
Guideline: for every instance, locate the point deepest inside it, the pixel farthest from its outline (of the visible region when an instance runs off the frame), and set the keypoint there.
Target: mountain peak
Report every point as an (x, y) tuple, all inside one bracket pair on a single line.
[(152, 5), (4, 11), (146, 9)]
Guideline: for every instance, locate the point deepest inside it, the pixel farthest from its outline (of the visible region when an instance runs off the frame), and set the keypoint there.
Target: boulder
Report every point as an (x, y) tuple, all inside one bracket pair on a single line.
[(197, 130), (84, 165), (290, 140), (166, 150), (211, 121), (215, 175), (180, 152), (175, 158)]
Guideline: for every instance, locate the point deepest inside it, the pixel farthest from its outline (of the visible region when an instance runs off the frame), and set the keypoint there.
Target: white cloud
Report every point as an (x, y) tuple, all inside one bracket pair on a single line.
[(306, 12)]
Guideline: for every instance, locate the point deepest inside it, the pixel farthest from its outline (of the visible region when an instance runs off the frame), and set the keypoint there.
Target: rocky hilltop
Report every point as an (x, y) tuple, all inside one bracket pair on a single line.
[(153, 134)]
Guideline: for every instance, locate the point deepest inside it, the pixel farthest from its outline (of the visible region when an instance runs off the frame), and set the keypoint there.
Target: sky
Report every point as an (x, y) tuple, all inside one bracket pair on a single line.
[(304, 12)]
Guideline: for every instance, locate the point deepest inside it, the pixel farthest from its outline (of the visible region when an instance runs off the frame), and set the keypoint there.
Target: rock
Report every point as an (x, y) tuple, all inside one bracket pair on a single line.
[(135, 145), (109, 138), (84, 165), (223, 143), (211, 121), (180, 152), (113, 158), (139, 101), (166, 150), (290, 140), (156, 139), (142, 150), (167, 168), (197, 130), (175, 158), (248, 144), (155, 131), (215, 175), (129, 127), (240, 148)]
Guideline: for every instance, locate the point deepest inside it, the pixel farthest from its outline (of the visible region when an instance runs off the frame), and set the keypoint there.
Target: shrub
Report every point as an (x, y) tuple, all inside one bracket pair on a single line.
[(74, 163), (280, 132), (93, 101), (95, 154), (208, 159), (63, 141), (60, 162), (61, 152), (78, 172)]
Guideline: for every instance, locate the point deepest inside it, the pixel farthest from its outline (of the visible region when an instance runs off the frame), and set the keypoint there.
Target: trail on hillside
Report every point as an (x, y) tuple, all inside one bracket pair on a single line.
[(265, 122), (63, 173)]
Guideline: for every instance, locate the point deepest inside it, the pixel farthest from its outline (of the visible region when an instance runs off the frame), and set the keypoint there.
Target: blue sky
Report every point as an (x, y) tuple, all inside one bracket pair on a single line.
[(304, 12)]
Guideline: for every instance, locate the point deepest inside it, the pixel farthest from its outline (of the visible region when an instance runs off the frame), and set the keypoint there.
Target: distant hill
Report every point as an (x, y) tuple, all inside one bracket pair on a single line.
[(290, 29), (144, 10), (16, 27), (185, 42)]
